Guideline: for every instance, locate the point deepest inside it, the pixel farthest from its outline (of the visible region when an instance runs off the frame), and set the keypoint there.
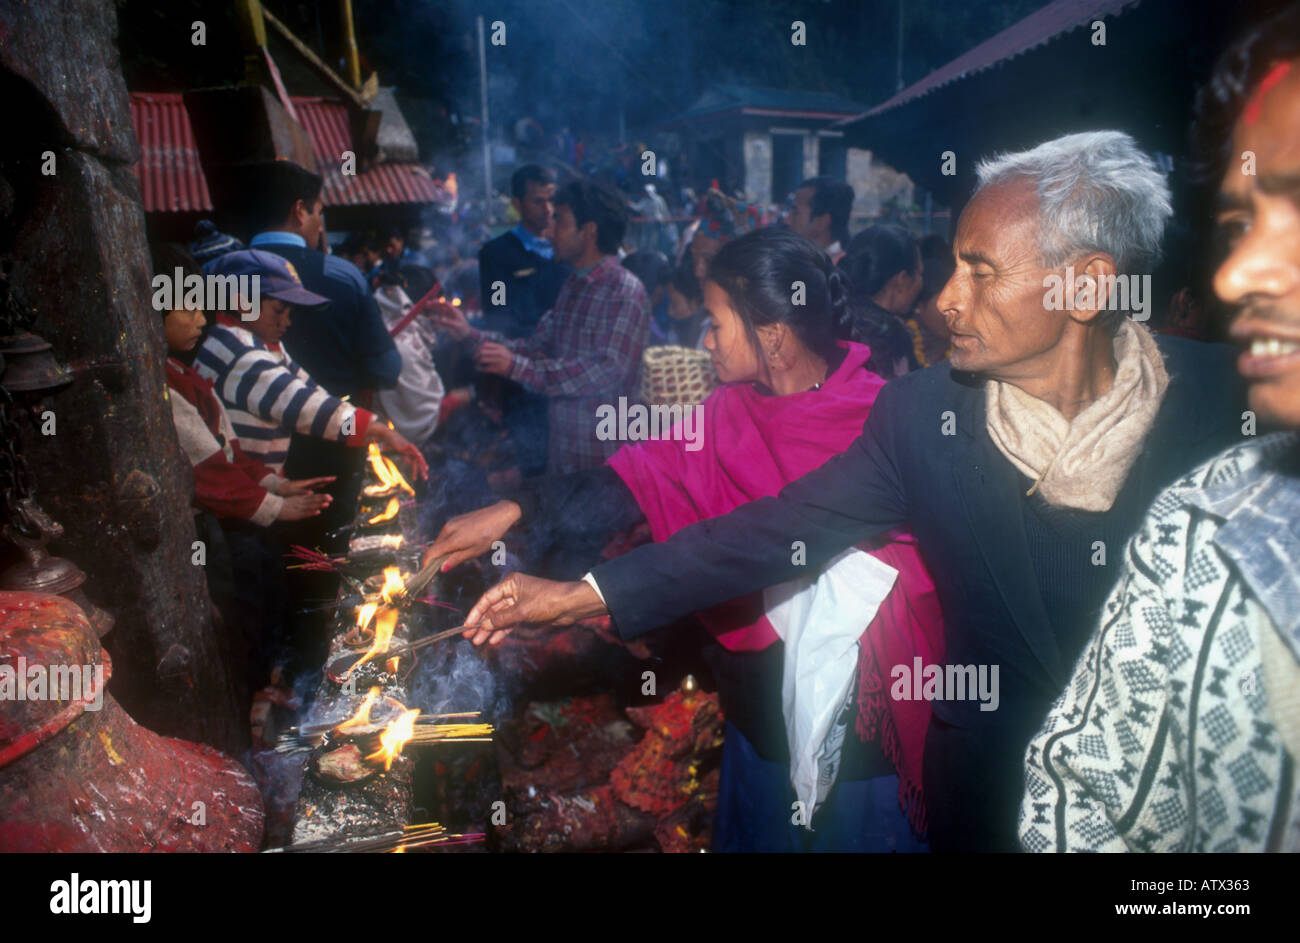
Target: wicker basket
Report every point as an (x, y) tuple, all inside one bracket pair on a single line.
[(676, 376)]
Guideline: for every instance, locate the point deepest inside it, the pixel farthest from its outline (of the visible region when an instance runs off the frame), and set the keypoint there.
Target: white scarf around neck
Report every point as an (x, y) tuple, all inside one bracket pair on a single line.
[(1082, 463)]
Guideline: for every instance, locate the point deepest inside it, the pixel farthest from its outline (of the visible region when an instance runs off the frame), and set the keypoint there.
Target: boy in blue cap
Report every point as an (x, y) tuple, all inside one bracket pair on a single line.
[(268, 396)]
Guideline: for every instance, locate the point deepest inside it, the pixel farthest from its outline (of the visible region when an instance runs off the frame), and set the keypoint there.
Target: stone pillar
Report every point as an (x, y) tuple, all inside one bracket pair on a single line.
[(113, 474)]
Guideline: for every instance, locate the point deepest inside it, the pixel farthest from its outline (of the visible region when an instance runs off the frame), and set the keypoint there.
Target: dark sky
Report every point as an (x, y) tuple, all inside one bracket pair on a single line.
[(578, 62), (574, 62)]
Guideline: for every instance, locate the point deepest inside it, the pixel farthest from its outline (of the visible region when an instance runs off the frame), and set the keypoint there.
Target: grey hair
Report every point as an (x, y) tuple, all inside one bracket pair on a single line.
[(1097, 191)]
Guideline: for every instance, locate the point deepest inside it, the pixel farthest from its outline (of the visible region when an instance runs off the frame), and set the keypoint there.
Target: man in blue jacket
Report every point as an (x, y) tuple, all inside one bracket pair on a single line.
[(344, 345), (1021, 465), (520, 278)]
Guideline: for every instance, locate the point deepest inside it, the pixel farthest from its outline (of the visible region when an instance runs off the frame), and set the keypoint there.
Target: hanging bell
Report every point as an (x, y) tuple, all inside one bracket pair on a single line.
[(30, 367)]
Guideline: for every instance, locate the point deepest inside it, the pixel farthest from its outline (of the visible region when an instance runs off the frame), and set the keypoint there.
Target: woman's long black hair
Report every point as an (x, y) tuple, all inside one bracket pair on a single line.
[(762, 272)]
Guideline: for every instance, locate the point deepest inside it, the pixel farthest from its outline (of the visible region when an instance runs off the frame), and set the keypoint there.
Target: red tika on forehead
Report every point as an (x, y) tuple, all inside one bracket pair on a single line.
[(1256, 103)]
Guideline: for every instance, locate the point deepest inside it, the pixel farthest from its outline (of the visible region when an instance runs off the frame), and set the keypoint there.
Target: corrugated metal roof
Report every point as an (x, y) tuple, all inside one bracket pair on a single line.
[(171, 177), (1044, 24), (753, 99)]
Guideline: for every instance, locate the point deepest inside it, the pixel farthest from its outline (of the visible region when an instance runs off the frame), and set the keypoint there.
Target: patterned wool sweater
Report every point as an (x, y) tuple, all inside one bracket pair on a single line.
[(1180, 728)]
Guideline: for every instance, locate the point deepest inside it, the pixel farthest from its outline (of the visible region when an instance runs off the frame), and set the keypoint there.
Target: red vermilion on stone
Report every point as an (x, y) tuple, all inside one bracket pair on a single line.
[(77, 778)]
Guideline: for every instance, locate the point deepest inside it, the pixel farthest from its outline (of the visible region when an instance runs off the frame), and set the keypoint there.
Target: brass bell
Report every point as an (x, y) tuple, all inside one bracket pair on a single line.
[(30, 366)]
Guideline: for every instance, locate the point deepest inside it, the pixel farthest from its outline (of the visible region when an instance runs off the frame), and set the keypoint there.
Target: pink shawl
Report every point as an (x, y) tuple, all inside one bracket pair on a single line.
[(751, 447)]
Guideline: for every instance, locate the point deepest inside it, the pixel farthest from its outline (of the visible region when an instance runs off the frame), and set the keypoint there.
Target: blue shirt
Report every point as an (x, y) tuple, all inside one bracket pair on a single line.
[(277, 239), (534, 243)]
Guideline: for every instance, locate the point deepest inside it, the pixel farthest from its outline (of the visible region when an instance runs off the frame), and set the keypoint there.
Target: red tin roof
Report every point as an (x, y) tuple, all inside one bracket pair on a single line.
[(171, 177)]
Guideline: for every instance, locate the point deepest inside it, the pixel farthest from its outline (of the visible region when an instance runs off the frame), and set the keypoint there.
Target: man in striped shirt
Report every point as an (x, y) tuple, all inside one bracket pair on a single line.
[(268, 396)]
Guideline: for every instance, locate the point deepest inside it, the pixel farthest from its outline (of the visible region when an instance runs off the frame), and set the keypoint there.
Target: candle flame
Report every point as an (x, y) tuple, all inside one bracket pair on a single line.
[(385, 623), (394, 737), (387, 473), (455, 302), (365, 613)]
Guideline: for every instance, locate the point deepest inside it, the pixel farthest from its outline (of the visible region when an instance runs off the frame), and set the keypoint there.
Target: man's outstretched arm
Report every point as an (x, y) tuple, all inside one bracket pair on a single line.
[(855, 495)]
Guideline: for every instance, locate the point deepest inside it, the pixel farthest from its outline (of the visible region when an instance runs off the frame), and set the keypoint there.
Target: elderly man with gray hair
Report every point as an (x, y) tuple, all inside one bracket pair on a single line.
[(1021, 465)]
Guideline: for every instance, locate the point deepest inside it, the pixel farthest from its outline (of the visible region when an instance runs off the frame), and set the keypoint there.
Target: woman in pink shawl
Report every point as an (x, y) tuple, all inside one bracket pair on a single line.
[(793, 396)]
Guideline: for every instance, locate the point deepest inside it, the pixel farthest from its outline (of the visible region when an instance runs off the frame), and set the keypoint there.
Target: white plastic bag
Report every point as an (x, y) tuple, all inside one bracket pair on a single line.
[(820, 620)]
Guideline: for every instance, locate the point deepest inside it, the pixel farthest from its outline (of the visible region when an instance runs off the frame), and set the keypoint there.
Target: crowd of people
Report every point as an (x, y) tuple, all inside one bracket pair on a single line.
[(1026, 567)]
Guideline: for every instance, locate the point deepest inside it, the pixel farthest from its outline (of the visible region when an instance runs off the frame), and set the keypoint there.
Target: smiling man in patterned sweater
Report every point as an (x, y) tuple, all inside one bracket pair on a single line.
[(1180, 730)]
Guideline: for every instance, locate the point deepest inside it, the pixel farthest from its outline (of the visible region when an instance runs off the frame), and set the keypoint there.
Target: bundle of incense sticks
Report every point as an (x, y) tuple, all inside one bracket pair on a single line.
[(416, 584), (412, 836), (310, 559), (296, 740), (435, 733)]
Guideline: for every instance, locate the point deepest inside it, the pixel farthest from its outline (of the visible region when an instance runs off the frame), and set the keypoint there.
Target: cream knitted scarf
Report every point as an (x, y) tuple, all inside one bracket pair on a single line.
[(1083, 463)]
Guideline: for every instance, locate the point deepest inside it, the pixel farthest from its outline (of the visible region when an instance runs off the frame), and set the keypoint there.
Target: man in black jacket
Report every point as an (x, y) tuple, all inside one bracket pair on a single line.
[(343, 346), (520, 278), (1021, 466)]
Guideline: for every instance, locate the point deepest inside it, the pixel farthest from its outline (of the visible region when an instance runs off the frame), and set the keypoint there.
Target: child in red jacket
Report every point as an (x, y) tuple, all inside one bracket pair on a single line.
[(228, 483)]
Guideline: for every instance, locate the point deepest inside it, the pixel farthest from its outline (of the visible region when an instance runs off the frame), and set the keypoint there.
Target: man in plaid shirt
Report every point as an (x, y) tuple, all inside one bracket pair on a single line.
[(586, 350)]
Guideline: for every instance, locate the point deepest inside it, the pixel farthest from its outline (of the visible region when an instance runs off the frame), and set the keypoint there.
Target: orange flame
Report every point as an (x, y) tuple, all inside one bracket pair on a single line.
[(365, 613), (385, 623), (362, 716), (455, 302), (386, 471), (388, 513), (394, 585), (394, 737)]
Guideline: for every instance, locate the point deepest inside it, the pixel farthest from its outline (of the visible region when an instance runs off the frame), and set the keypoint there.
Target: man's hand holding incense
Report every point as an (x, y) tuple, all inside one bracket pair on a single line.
[(448, 318), (520, 598), (491, 357)]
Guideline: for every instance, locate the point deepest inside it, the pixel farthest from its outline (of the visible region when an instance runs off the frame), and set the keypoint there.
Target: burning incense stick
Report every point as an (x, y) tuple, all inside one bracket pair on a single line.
[(416, 584)]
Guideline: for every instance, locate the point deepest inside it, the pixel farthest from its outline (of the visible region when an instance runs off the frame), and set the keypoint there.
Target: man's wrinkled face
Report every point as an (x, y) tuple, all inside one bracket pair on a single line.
[(1259, 215), (536, 209), (993, 304)]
